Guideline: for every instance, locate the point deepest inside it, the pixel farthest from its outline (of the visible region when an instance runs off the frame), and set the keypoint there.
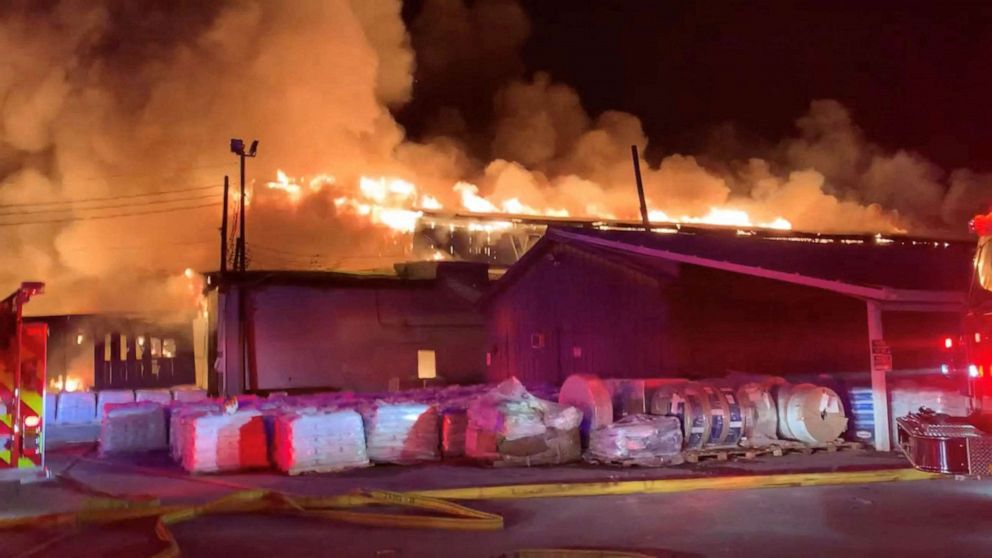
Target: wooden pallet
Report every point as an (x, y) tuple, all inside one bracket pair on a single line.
[(722, 454), (783, 447), (777, 449)]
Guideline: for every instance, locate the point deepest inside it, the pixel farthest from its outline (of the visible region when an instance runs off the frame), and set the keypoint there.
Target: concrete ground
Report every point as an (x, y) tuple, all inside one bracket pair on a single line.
[(918, 518)]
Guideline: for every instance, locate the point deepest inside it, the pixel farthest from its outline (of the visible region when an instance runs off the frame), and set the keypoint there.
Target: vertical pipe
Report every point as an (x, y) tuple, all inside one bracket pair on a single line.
[(880, 396), (223, 229), (241, 237), (640, 188)]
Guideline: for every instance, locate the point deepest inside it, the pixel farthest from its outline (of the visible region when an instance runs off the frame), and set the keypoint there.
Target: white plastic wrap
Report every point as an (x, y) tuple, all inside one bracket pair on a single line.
[(509, 411), (645, 440), (177, 413), (133, 428), (509, 425), (161, 396), (402, 432), (188, 394), (224, 442), (76, 407), (319, 442), (109, 397)]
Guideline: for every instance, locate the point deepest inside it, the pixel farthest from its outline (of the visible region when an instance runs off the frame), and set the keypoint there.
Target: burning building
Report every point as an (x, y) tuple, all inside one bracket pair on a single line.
[(119, 352)]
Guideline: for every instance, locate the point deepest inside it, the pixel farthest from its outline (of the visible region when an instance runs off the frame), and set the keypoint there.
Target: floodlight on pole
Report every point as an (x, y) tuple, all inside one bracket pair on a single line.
[(238, 148)]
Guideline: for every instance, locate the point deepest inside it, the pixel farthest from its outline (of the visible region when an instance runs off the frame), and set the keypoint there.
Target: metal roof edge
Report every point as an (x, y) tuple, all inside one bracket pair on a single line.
[(850, 289)]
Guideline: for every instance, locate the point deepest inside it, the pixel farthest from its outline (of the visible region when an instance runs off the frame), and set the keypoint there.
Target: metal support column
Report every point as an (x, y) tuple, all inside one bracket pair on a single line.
[(880, 397)]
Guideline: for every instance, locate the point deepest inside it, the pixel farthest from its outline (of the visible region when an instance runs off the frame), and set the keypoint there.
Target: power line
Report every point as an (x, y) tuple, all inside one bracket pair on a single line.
[(113, 206), (114, 216), (140, 246), (111, 198), (178, 172)]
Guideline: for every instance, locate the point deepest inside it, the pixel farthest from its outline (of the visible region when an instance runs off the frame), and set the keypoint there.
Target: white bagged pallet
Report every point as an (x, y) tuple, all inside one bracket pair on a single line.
[(76, 407), (133, 428), (224, 442), (319, 442), (179, 411), (402, 432), (161, 396), (111, 396), (188, 394)]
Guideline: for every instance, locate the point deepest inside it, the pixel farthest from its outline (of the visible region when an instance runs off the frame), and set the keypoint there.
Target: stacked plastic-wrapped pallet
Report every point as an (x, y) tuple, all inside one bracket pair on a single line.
[(188, 394), (224, 442), (401, 432), (161, 396), (76, 407), (132, 428), (319, 441), (178, 412), (110, 397), (645, 440)]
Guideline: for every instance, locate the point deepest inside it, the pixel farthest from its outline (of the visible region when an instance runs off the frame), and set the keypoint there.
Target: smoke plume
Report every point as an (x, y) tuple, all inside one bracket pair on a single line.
[(115, 120)]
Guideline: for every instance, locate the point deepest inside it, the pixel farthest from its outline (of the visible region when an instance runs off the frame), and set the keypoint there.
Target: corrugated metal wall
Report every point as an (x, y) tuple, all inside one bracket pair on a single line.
[(359, 338), (601, 317)]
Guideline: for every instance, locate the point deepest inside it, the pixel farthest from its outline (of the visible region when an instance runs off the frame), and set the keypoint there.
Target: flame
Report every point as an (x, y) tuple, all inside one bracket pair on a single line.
[(286, 184), (397, 204), (70, 384)]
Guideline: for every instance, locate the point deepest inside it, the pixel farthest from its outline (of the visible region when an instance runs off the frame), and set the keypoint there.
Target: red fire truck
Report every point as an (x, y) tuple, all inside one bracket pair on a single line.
[(22, 388), (940, 443)]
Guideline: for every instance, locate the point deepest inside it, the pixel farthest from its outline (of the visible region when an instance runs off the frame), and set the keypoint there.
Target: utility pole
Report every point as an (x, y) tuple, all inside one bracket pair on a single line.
[(238, 148), (223, 228), (640, 188)]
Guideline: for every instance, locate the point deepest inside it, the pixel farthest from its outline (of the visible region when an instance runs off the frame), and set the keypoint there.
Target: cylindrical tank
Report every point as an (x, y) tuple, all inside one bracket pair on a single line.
[(810, 414), (590, 395), (759, 411)]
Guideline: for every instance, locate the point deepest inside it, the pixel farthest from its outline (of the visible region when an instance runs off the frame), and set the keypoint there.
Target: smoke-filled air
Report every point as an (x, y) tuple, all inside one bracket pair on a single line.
[(115, 119)]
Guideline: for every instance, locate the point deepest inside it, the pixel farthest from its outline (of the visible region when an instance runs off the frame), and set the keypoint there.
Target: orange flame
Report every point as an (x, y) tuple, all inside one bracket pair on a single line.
[(397, 204)]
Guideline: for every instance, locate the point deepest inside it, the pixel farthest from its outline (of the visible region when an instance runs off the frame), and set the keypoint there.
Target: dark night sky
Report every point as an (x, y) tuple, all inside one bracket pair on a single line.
[(914, 74)]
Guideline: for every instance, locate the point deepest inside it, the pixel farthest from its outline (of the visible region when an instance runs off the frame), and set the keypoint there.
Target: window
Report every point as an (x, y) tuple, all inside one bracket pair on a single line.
[(123, 347), (169, 348), (139, 347), (107, 351), (156, 347)]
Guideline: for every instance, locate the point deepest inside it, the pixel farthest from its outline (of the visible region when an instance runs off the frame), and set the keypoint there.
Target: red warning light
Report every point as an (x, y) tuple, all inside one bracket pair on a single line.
[(948, 343)]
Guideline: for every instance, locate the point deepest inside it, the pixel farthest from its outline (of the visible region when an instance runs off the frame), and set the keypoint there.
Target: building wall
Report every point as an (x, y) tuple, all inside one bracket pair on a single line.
[(359, 338), (573, 312), (601, 317)]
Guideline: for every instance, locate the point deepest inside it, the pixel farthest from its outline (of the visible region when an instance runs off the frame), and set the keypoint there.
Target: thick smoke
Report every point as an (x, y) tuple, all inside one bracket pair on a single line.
[(111, 99)]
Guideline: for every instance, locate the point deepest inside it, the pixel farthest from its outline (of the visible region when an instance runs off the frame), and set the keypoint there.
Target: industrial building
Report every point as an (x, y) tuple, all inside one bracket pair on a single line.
[(301, 331), (704, 303), (112, 351)]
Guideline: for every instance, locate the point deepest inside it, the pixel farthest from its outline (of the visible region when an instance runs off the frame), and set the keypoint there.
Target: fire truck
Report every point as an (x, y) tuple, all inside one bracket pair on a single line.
[(940, 443), (22, 388)]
